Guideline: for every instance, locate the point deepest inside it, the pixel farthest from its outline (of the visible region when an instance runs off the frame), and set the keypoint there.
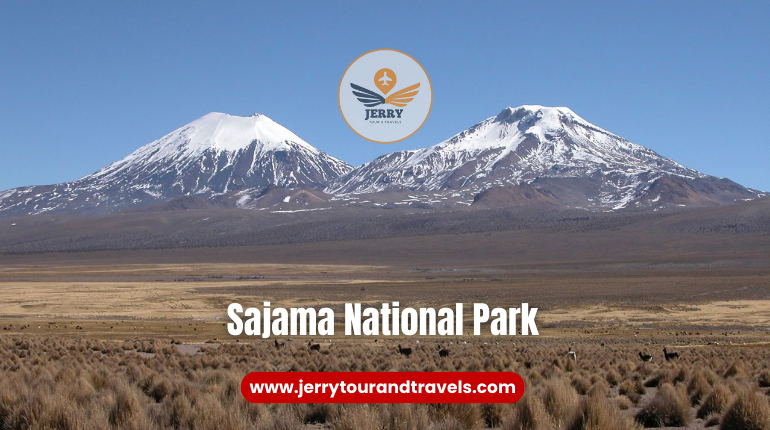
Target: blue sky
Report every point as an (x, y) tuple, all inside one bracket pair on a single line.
[(84, 83)]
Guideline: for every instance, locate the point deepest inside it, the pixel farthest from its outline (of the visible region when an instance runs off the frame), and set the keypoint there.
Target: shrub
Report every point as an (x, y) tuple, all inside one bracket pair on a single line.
[(624, 402), (282, 419), (716, 402), (561, 402), (160, 390), (320, 413), (656, 380), (669, 408), (581, 384), (749, 411), (448, 423), (679, 375), (734, 371), (599, 388), (612, 377), (597, 413), (356, 417), (467, 414), (764, 378), (633, 389), (492, 414), (698, 388), (529, 414), (711, 420), (404, 417), (124, 408)]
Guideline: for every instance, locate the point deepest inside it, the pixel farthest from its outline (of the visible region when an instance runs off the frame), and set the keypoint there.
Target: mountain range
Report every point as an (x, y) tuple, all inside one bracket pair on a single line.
[(526, 156)]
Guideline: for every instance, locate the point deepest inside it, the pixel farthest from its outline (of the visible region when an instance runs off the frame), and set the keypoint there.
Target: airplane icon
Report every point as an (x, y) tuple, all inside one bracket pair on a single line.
[(385, 79)]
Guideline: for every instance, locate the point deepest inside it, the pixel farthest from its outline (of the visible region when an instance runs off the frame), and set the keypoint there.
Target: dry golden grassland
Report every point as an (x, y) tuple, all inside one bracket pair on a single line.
[(57, 382), (145, 347), (202, 292)]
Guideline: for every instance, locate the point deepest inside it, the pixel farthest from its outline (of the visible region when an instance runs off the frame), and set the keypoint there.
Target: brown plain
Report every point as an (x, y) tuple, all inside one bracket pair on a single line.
[(609, 293)]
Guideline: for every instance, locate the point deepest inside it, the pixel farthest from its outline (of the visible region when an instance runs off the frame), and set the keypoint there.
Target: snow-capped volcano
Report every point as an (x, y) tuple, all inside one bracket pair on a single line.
[(211, 156), (551, 148), (218, 153), (529, 155)]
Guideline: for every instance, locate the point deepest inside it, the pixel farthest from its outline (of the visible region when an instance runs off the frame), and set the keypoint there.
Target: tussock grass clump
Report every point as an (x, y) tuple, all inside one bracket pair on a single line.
[(160, 389), (561, 401), (612, 377), (749, 411), (356, 417), (404, 417), (598, 413), (711, 420), (320, 413), (581, 384), (698, 388), (492, 413), (655, 380), (764, 378), (679, 374), (710, 376), (734, 371), (125, 407), (530, 413), (626, 367), (624, 403), (448, 423), (468, 414), (600, 388), (715, 402), (279, 419), (669, 408), (633, 389)]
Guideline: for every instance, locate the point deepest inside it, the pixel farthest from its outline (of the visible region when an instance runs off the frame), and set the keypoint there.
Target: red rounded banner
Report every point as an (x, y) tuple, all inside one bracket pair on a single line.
[(382, 387)]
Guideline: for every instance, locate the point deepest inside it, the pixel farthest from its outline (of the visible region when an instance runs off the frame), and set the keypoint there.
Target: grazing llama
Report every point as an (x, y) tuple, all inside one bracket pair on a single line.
[(405, 351)]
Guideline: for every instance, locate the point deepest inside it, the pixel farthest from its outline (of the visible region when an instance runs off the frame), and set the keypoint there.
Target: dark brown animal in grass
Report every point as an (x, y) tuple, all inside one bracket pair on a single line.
[(314, 346), (670, 355), (404, 351)]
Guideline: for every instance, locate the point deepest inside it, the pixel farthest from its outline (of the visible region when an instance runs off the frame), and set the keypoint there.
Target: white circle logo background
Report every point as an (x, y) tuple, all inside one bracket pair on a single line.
[(361, 72)]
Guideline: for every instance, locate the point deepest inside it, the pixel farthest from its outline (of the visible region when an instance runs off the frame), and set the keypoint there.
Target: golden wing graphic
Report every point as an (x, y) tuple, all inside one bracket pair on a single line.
[(402, 97)]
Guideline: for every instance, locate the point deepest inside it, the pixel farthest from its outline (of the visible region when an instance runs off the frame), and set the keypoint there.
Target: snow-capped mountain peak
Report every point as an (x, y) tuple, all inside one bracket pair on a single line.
[(512, 124), (232, 133), (218, 141), (214, 155), (529, 144), (529, 154), (216, 132)]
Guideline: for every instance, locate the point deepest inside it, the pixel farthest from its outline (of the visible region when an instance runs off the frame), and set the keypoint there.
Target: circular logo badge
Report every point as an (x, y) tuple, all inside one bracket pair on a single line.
[(385, 96)]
